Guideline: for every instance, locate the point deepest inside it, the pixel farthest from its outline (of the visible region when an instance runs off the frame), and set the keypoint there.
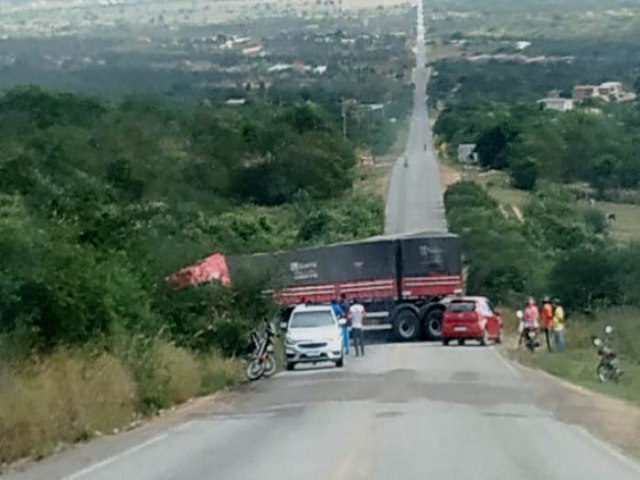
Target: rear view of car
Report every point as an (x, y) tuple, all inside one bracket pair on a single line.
[(314, 335), (471, 318)]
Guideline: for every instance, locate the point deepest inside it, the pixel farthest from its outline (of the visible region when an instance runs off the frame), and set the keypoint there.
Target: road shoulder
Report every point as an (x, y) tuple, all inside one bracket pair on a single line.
[(611, 419)]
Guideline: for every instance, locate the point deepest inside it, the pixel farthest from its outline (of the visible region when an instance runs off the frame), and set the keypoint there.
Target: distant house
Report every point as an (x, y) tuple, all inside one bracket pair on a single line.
[(467, 153), (236, 102), (280, 67), (556, 103), (607, 91), (252, 50)]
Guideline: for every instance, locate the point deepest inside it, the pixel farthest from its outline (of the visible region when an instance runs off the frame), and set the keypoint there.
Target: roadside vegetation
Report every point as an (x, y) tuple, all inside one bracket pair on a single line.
[(552, 207), (578, 362), (100, 202)]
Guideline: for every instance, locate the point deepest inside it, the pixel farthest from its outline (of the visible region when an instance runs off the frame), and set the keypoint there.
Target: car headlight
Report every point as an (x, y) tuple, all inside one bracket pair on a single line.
[(290, 341)]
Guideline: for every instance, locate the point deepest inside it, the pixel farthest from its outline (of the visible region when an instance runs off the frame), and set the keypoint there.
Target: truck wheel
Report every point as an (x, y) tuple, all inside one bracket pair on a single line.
[(433, 323), (405, 325)]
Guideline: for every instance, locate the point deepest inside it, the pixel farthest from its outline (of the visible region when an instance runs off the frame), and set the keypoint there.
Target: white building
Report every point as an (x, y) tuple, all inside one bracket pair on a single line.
[(557, 103), (607, 91), (467, 153)]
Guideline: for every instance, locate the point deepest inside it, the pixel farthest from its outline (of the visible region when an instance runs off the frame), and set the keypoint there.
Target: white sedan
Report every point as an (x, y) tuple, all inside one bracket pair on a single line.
[(314, 335)]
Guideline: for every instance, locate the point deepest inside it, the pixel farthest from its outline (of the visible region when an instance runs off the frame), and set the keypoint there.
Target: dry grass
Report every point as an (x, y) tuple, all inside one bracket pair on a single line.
[(219, 373), (179, 373), (65, 398), (72, 396)]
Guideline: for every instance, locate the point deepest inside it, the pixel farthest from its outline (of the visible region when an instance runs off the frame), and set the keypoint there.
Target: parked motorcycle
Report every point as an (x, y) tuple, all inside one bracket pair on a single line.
[(262, 362), (609, 366), (529, 334)]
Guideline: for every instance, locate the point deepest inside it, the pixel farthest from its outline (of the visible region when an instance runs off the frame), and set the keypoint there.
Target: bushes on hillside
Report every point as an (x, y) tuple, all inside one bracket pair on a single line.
[(577, 146), (99, 203), (554, 250), (501, 261)]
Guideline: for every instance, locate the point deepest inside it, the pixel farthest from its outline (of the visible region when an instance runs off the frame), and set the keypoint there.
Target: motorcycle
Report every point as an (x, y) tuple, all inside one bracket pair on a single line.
[(530, 334), (262, 362), (609, 366)]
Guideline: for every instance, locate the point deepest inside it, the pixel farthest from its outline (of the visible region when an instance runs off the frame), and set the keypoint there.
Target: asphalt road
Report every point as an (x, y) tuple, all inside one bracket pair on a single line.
[(415, 201), (405, 411)]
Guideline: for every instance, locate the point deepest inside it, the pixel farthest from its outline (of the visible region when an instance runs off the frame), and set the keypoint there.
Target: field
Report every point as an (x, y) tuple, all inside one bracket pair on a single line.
[(625, 227)]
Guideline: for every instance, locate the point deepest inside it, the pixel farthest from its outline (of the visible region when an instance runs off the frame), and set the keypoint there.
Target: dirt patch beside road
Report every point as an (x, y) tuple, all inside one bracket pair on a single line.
[(448, 175)]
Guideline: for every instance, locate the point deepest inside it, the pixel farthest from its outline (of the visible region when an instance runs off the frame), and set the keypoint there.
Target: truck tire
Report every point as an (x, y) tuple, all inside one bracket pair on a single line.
[(432, 322), (406, 326)]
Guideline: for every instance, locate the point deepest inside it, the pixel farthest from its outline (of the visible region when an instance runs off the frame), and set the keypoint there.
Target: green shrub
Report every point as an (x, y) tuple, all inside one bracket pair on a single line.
[(524, 174), (596, 220)]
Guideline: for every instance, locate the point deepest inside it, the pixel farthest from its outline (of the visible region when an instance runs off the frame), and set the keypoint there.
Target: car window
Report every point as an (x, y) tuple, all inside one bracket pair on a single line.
[(311, 319), (491, 307), (462, 306), (485, 308)]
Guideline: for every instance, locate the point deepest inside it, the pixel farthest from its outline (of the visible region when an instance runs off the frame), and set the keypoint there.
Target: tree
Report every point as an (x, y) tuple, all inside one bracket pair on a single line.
[(596, 220), (492, 145), (524, 173), (586, 276)]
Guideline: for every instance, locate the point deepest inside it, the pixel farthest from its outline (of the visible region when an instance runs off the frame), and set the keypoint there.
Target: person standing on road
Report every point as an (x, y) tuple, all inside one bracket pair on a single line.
[(547, 320), (341, 312), (346, 329), (558, 325), (357, 315)]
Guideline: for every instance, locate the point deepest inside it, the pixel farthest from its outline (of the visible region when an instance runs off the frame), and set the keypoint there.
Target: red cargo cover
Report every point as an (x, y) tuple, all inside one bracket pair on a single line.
[(211, 268)]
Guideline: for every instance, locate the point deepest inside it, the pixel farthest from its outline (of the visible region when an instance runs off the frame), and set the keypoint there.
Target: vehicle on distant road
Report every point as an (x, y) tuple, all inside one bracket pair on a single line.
[(314, 335), (403, 281), (471, 318)]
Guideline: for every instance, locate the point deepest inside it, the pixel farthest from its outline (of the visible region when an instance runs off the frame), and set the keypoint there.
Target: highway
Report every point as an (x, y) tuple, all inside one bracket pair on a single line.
[(415, 201), (404, 411)]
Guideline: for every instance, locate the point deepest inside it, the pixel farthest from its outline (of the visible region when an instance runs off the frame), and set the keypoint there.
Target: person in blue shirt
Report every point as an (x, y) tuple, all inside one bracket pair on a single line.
[(341, 312)]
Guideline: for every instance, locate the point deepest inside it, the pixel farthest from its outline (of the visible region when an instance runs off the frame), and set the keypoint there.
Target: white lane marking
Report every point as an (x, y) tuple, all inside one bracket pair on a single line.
[(610, 449), (184, 426), (108, 461), (514, 371)]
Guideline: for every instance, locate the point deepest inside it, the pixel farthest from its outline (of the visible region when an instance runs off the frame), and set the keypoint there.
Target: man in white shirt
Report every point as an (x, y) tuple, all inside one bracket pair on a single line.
[(357, 316)]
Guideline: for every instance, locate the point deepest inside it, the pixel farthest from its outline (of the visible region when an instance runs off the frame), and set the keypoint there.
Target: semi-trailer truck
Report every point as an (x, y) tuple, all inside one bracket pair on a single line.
[(403, 281)]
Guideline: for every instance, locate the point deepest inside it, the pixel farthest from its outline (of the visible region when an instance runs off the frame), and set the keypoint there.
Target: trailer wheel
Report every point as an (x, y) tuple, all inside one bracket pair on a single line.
[(405, 325), (433, 323)]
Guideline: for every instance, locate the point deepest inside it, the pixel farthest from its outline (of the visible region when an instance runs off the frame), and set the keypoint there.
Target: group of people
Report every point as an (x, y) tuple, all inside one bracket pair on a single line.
[(355, 315), (552, 317)]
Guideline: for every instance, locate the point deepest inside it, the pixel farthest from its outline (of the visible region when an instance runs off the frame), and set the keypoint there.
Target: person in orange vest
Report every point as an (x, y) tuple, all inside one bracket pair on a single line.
[(547, 320)]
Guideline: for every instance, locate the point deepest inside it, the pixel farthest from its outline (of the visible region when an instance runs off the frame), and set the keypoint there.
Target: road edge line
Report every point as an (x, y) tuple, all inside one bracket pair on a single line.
[(115, 458), (511, 366)]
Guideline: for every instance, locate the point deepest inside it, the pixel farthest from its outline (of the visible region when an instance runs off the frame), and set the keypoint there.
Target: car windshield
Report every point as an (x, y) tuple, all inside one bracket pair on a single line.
[(462, 306), (311, 320)]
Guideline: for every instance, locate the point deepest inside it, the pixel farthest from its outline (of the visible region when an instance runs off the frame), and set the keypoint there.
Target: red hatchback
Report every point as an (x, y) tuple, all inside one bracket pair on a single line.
[(471, 318)]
